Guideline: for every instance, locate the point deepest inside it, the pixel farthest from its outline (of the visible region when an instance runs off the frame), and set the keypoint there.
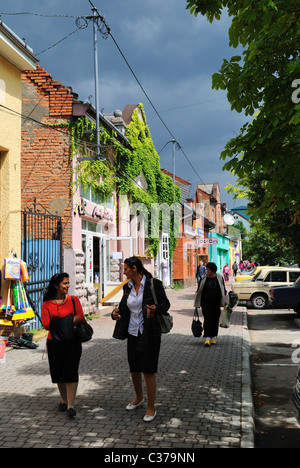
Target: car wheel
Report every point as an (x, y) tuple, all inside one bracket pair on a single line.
[(259, 301), (297, 310)]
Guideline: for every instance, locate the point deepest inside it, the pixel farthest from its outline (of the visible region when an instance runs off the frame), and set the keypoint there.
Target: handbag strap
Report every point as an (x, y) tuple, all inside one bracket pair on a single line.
[(73, 305), (153, 291)]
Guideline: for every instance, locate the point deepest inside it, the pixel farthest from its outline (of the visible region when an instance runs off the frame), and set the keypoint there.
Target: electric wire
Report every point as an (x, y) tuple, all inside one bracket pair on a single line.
[(102, 19)]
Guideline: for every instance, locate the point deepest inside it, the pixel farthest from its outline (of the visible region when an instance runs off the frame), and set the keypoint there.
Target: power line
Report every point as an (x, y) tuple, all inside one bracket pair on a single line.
[(105, 32)]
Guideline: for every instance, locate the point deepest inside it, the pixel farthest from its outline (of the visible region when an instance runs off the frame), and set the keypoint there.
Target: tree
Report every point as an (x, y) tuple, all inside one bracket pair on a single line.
[(264, 83), (266, 248)]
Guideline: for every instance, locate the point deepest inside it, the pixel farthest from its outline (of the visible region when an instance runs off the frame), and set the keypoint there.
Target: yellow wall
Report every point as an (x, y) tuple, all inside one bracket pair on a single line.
[(10, 159)]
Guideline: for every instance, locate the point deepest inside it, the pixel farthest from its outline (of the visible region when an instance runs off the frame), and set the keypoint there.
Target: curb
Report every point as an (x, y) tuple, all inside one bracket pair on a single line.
[(247, 409)]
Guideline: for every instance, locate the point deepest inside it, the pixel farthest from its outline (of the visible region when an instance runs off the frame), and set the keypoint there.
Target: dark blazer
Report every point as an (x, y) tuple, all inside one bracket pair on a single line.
[(162, 305)]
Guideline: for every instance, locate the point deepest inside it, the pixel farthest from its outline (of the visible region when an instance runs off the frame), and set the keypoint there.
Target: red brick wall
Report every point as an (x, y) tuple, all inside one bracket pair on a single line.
[(46, 172)]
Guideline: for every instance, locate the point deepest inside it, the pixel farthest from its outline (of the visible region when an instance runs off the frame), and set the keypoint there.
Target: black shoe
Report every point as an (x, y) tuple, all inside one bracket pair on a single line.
[(62, 407), (71, 412)]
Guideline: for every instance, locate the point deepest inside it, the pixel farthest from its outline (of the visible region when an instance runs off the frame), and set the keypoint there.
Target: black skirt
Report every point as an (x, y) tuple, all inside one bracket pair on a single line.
[(64, 359), (146, 362)]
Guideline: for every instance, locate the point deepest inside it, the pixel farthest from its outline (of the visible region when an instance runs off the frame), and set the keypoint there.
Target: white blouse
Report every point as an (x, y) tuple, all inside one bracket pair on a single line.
[(135, 304)]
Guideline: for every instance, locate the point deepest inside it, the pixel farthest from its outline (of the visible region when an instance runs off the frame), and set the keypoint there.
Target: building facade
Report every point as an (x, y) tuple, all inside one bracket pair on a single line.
[(15, 57)]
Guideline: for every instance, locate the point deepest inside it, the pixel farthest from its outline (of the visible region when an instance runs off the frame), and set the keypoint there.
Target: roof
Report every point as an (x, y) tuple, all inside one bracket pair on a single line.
[(15, 50), (241, 210)]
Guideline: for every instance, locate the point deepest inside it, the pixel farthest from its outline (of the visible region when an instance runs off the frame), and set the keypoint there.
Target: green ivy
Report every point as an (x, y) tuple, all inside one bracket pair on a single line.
[(104, 177)]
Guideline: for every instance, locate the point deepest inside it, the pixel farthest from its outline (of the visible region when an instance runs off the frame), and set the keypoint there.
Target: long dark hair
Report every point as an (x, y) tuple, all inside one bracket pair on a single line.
[(134, 261), (51, 289)]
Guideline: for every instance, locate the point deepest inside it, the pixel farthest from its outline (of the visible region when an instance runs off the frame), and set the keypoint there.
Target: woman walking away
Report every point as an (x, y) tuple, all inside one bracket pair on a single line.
[(63, 356), (139, 313), (210, 297)]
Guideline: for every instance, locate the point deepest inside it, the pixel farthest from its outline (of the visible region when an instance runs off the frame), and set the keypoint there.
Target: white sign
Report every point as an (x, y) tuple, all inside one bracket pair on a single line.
[(117, 255), (213, 241)]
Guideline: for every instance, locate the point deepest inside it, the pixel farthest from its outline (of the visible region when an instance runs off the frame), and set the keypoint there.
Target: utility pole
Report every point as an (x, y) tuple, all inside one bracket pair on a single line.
[(95, 27), (104, 31)]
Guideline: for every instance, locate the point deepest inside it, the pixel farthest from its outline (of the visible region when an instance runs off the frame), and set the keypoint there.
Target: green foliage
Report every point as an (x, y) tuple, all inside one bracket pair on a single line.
[(145, 160), (267, 248), (126, 165), (265, 156)]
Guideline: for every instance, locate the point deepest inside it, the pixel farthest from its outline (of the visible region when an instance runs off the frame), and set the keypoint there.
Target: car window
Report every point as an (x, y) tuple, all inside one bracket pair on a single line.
[(294, 275), (258, 276), (276, 277), (297, 282)]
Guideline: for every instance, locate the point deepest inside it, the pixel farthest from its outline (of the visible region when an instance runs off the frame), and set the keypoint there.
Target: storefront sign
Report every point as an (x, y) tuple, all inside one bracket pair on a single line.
[(98, 211), (213, 241)]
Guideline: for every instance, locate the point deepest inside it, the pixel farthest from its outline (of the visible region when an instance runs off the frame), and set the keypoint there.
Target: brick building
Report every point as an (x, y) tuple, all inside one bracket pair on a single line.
[(47, 176), (195, 227), (46, 171)]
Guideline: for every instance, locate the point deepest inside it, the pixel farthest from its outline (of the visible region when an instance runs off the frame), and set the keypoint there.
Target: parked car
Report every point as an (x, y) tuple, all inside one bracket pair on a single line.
[(257, 290), (286, 297), (248, 275), (245, 275)]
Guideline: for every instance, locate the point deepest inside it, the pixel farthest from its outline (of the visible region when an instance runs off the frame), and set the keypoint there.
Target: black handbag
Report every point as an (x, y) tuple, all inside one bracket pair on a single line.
[(121, 329), (165, 320), (196, 324), (83, 331)]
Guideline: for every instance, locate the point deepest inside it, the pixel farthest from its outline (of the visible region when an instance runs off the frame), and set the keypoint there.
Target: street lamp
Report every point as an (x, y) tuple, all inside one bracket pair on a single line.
[(176, 145)]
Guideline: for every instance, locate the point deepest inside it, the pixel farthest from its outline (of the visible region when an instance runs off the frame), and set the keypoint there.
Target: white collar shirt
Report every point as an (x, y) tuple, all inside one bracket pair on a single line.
[(135, 305)]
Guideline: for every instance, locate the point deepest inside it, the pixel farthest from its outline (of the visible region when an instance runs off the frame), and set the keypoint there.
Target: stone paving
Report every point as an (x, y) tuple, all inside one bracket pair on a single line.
[(203, 394)]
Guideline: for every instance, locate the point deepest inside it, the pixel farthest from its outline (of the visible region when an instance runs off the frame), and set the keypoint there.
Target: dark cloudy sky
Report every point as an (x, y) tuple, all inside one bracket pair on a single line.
[(172, 53)]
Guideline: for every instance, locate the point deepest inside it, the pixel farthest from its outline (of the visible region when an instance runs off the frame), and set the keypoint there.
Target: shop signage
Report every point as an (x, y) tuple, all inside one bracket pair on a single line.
[(97, 211), (213, 241)]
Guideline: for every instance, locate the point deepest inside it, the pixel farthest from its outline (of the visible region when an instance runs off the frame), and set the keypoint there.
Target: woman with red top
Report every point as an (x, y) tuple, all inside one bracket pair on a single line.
[(64, 357)]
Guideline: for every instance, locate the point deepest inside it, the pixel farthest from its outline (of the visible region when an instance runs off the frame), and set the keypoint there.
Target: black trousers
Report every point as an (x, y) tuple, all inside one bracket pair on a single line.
[(211, 314)]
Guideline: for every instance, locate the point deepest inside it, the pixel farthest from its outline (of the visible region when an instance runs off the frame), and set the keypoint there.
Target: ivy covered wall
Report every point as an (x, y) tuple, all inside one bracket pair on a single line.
[(124, 165)]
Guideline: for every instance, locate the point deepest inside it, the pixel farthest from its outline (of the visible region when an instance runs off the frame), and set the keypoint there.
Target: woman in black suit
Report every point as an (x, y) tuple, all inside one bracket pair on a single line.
[(143, 331)]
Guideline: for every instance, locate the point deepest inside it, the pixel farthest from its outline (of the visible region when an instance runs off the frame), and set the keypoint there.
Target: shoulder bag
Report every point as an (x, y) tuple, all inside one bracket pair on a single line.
[(165, 320), (196, 324), (83, 331)]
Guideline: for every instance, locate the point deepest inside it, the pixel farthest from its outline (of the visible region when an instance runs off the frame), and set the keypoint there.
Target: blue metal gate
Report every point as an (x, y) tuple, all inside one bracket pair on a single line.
[(42, 252)]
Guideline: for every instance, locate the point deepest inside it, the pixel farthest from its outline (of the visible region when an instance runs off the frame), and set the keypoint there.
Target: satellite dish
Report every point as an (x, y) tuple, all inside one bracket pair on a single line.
[(229, 219)]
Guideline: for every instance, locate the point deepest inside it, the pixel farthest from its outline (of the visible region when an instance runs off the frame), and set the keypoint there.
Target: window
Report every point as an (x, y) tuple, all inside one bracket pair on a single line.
[(98, 198), (294, 275), (276, 277)]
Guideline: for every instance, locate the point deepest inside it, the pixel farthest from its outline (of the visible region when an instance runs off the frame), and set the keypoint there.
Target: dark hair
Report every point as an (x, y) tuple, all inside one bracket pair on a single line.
[(134, 261), (51, 289), (212, 266)]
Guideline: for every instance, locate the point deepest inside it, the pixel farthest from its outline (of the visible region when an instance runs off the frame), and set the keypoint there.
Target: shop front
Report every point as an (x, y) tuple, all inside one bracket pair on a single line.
[(98, 253)]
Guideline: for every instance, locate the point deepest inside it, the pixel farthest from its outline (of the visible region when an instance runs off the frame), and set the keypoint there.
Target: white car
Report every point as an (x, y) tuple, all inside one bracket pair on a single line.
[(257, 290)]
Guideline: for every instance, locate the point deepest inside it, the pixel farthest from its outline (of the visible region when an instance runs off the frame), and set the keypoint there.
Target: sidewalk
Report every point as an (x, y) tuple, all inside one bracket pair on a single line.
[(204, 395)]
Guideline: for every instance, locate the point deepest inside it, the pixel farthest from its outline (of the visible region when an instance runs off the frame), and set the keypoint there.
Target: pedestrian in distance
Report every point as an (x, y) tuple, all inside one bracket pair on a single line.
[(234, 268), (226, 271), (64, 356), (200, 271), (139, 313), (210, 296)]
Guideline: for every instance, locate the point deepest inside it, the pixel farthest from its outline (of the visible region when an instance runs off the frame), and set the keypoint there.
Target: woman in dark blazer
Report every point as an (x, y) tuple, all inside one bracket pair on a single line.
[(143, 332)]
